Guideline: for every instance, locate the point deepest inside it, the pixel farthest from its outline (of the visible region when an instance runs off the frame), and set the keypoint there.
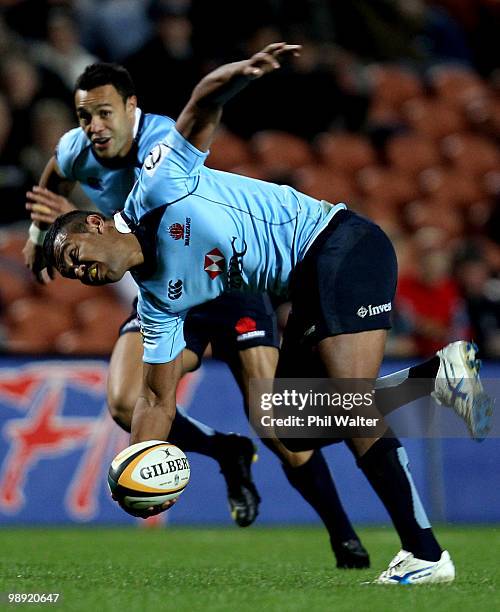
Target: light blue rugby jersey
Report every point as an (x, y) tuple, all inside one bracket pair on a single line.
[(204, 232), (108, 183)]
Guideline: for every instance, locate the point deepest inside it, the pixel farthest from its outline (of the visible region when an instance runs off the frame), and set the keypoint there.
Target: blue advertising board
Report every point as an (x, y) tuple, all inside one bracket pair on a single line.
[(57, 441)]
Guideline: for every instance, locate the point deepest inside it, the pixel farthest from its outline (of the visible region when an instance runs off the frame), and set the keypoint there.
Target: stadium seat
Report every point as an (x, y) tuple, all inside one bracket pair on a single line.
[(471, 154), (455, 84), (345, 152), (450, 186), (393, 84), (387, 186), (412, 153), (12, 243), (253, 170), (16, 281), (34, 323), (96, 324), (433, 212), (227, 151), (70, 292), (281, 152), (433, 118), (322, 183)]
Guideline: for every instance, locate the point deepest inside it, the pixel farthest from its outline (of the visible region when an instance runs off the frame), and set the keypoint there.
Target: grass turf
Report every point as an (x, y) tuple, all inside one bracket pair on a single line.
[(195, 570)]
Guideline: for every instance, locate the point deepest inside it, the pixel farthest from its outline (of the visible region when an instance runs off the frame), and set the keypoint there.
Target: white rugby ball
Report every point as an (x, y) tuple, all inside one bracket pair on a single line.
[(148, 474)]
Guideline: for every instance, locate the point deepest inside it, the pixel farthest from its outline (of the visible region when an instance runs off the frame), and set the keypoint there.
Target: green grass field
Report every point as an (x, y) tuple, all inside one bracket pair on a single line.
[(257, 569)]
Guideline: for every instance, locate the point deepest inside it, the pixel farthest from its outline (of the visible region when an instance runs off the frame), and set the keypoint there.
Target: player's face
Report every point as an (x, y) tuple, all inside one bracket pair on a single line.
[(92, 258), (107, 120)]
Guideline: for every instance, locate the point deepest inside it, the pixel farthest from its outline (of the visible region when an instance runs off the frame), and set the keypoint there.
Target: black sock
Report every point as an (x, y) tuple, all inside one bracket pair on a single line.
[(385, 465), (401, 388), (192, 435), (427, 369), (314, 482)]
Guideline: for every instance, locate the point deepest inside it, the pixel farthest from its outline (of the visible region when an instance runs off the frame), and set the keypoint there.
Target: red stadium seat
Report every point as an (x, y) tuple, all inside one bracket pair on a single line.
[(456, 84), (281, 152), (412, 153), (345, 152), (69, 291), (471, 154), (34, 324), (16, 281), (433, 212), (253, 170), (227, 151), (12, 244), (387, 186), (394, 85), (433, 118), (95, 330), (450, 186), (322, 183)]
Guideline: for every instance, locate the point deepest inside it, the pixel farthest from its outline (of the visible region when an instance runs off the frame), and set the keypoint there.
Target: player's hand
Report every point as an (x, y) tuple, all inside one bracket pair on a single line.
[(147, 512), (269, 59), (35, 261), (45, 205)]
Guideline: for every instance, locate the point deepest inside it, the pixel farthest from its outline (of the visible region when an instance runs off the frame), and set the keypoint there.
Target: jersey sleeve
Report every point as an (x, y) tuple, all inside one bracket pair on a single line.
[(162, 333), (169, 174), (67, 151)]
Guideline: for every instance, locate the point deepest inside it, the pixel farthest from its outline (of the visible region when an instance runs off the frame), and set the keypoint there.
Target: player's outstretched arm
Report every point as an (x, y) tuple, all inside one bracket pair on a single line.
[(155, 408), (201, 116), (45, 205), (154, 413)]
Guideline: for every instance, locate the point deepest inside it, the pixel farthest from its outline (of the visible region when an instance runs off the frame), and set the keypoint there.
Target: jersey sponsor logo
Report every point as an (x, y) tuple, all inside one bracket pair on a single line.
[(245, 324), (372, 311), (174, 289), (247, 329), (176, 231), (258, 333), (182, 231), (235, 270), (214, 263), (154, 158), (95, 183)]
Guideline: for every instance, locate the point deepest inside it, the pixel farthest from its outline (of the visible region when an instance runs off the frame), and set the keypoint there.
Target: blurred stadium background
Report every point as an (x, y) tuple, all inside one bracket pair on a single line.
[(393, 107)]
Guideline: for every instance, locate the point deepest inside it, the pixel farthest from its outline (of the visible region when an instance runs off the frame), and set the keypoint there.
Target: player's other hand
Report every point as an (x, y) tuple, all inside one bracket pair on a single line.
[(269, 59), (35, 261), (45, 205), (147, 512)]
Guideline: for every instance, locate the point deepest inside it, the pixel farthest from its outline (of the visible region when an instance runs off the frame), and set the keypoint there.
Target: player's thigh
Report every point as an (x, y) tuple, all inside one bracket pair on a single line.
[(257, 362), (356, 356)]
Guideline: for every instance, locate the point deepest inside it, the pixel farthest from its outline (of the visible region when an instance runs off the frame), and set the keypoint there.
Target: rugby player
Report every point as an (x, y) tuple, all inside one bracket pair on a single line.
[(105, 155), (285, 232)]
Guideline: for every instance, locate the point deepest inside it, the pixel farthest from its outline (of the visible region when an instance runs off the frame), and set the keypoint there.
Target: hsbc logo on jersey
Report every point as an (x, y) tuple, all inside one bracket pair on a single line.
[(214, 263)]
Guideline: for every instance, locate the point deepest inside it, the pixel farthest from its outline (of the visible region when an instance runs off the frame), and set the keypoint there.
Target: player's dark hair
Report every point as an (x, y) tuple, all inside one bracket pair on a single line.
[(97, 75), (74, 222)]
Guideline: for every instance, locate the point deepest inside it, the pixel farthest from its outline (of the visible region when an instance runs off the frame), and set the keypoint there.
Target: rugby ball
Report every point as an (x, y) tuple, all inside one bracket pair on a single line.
[(147, 474)]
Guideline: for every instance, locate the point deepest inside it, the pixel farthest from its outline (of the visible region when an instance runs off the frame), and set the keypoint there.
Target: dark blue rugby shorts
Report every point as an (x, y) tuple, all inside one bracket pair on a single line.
[(232, 322), (347, 280)]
